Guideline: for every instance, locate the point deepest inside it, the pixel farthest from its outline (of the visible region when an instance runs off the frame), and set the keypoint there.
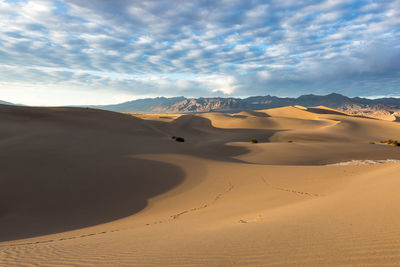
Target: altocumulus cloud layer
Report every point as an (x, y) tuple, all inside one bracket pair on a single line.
[(76, 52)]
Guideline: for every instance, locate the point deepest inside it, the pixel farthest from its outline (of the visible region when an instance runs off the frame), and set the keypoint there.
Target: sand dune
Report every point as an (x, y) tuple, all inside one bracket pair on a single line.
[(83, 187)]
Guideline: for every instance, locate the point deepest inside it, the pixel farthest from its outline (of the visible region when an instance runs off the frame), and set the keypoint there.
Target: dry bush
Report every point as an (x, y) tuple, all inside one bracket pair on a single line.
[(179, 139), (391, 142)]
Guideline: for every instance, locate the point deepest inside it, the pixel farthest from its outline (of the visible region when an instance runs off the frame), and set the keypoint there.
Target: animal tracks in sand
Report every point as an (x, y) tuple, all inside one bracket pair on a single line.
[(178, 215), (58, 240), (223, 193), (257, 219), (291, 190)]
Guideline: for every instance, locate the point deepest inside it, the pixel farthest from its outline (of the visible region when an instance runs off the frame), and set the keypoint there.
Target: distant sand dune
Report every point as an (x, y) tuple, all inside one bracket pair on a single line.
[(84, 187)]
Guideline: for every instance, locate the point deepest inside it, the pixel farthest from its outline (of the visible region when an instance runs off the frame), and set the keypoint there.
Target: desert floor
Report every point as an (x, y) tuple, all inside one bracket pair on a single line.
[(84, 187)]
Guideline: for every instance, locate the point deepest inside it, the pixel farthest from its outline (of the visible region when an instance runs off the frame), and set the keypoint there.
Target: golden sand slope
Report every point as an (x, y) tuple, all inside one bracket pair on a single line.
[(82, 187)]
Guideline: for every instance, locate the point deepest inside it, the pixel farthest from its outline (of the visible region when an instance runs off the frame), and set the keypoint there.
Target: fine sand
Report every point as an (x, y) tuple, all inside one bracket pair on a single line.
[(84, 187)]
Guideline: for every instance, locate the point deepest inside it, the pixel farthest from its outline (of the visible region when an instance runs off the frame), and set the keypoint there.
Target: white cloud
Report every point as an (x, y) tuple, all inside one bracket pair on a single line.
[(225, 84), (264, 75)]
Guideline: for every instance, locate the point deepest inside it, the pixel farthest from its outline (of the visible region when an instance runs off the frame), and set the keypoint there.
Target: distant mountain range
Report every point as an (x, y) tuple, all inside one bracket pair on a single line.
[(383, 108), (6, 103)]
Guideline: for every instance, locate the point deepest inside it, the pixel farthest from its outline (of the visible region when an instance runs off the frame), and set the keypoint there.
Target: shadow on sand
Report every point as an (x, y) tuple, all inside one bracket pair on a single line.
[(68, 168)]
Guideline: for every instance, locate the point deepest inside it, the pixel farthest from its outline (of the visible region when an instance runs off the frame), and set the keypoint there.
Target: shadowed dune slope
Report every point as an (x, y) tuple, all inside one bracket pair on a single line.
[(64, 169)]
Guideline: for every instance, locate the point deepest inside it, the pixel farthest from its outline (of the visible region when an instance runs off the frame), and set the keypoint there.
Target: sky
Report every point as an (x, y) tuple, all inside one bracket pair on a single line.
[(78, 52)]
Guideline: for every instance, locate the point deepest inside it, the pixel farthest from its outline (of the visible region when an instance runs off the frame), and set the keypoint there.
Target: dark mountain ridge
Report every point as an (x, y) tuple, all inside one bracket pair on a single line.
[(219, 104), (6, 103)]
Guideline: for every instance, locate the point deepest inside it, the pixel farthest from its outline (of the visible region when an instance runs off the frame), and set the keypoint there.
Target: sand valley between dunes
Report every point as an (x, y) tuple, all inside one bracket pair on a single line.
[(85, 187)]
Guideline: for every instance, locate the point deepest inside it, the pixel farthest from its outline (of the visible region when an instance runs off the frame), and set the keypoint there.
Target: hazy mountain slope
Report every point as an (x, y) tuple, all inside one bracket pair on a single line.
[(5, 103), (384, 108), (141, 105)]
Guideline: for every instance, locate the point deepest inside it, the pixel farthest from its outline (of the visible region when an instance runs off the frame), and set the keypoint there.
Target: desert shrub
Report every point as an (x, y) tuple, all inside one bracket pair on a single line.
[(391, 142), (290, 141), (179, 139), (254, 141), (372, 143), (173, 137)]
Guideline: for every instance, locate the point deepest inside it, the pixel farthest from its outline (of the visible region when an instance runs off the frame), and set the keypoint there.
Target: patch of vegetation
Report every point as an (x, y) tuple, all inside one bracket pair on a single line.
[(179, 139), (290, 141), (391, 142), (173, 137), (372, 143), (254, 141)]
